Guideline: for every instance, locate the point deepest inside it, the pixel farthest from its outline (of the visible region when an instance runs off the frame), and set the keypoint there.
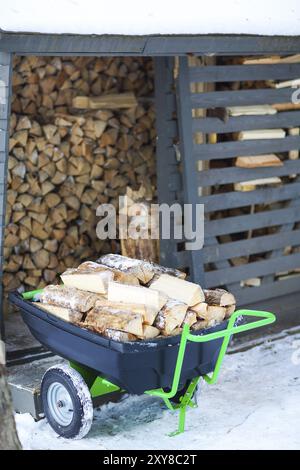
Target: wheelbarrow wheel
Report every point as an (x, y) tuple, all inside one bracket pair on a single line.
[(66, 402)]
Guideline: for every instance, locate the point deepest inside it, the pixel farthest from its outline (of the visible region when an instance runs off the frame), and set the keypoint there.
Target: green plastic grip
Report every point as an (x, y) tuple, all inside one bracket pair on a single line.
[(31, 294)]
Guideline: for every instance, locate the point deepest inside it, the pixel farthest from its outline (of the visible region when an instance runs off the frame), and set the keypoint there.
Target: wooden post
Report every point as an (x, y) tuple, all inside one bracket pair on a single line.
[(5, 91)]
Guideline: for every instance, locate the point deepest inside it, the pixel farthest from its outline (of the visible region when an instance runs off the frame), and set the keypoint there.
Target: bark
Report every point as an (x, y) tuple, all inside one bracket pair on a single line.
[(8, 435)]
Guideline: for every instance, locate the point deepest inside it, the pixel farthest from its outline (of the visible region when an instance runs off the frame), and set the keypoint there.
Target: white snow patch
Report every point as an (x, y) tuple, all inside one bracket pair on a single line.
[(254, 405), (133, 17)]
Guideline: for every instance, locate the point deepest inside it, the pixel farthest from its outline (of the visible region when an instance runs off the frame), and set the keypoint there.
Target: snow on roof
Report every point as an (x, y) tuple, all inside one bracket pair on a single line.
[(133, 17)]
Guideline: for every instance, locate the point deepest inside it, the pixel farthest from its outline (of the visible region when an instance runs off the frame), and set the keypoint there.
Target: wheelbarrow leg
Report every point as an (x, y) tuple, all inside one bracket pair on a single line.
[(185, 401)]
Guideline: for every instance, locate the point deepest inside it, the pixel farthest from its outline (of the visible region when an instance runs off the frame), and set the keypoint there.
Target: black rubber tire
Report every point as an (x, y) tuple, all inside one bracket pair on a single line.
[(80, 397)]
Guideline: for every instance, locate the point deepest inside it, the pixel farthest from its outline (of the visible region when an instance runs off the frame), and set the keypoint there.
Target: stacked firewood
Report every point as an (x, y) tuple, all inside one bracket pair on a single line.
[(65, 161), (128, 299)]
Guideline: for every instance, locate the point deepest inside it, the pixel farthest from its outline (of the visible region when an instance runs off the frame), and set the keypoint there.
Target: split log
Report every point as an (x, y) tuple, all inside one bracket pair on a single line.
[(261, 134), (229, 310), (137, 213), (292, 59), (141, 295), (171, 316), (117, 335), (66, 314), (109, 101), (68, 297), (258, 161), (148, 313), (256, 110), (143, 270), (199, 325), (149, 332), (100, 320), (219, 297), (90, 281), (200, 309), (190, 318), (250, 185), (178, 289), (118, 275)]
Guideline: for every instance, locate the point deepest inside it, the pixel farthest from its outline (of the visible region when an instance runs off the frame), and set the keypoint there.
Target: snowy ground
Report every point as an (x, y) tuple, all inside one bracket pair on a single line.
[(254, 405)]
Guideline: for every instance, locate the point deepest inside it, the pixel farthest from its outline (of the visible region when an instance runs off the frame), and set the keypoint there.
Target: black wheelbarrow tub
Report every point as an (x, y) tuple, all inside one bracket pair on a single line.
[(133, 366)]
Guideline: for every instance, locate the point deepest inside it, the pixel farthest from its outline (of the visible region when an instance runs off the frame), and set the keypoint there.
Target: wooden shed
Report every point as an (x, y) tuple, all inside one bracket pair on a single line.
[(209, 69)]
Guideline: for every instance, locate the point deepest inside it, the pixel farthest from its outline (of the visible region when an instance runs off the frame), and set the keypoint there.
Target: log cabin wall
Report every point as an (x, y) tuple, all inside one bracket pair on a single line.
[(63, 162)]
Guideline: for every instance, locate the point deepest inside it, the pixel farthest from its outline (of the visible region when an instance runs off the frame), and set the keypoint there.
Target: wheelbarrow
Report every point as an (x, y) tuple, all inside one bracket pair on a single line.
[(169, 368)]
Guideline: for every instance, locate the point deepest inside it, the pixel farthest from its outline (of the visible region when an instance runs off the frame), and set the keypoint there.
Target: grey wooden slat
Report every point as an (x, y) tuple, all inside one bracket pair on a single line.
[(232, 175), (71, 43), (247, 271), (235, 199), (239, 123), (233, 73), (243, 223), (5, 57), (216, 99), (246, 147), (250, 246), (190, 189), (165, 154), (33, 43), (2, 140), (222, 44), (4, 72), (3, 124), (249, 295), (284, 228)]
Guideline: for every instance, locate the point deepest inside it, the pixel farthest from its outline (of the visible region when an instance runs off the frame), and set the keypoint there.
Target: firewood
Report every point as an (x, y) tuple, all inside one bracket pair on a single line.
[(171, 316), (229, 310), (199, 325), (117, 335), (141, 295), (68, 297), (200, 309), (190, 318), (91, 281), (215, 314), (261, 134), (112, 101), (149, 332), (256, 110), (143, 270), (285, 106), (71, 316), (219, 297), (148, 313), (258, 161), (67, 161), (118, 276), (101, 319), (250, 185), (292, 59), (178, 289)]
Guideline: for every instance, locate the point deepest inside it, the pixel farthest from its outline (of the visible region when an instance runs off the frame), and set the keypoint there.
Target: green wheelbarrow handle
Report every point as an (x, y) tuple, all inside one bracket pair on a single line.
[(266, 318)]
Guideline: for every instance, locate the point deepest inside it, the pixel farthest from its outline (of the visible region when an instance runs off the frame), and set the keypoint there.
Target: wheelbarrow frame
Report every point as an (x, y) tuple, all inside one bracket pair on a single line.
[(99, 386)]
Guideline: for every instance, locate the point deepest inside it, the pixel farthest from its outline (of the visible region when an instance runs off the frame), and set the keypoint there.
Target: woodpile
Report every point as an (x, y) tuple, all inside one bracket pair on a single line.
[(65, 161), (136, 311)]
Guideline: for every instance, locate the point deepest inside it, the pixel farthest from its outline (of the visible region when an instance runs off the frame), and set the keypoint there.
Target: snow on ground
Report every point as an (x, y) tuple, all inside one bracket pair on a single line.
[(254, 405), (134, 17)]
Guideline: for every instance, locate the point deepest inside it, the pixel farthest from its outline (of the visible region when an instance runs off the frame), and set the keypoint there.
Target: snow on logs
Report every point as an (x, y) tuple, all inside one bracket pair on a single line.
[(126, 299)]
